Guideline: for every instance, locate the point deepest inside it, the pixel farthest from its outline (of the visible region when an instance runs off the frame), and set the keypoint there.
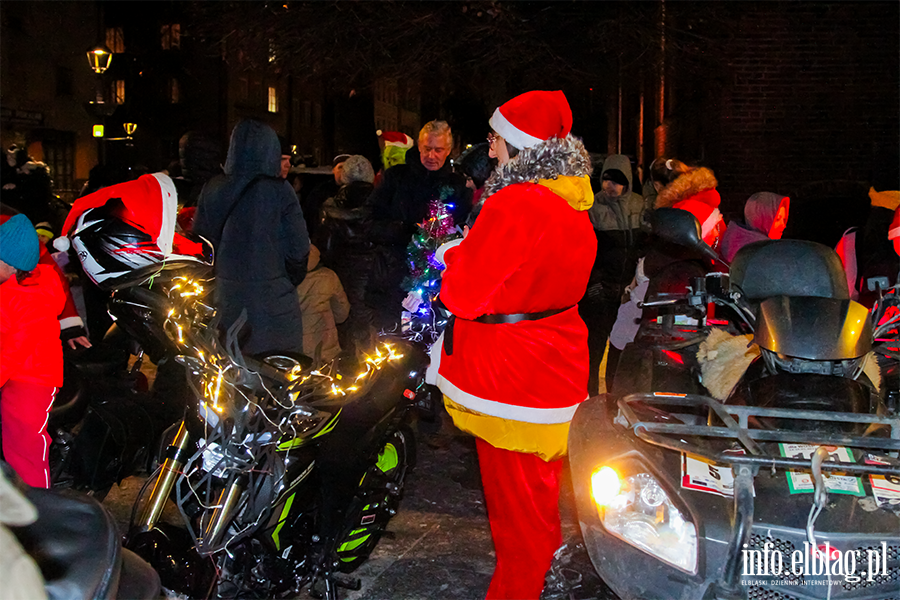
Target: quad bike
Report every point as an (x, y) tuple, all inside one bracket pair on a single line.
[(759, 495)]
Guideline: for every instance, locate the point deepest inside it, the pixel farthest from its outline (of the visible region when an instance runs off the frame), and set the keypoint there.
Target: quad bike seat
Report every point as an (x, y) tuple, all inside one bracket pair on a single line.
[(76, 545)]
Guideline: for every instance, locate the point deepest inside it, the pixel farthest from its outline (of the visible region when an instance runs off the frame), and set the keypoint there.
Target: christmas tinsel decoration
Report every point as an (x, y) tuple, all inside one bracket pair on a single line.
[(424, 269)]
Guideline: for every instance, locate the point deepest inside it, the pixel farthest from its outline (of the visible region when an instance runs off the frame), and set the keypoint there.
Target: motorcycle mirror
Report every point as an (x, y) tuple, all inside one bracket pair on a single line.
[(682, 228)]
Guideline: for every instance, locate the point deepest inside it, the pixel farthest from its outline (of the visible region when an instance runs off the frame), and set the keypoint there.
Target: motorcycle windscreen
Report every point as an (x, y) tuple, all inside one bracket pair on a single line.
[(814, 328)]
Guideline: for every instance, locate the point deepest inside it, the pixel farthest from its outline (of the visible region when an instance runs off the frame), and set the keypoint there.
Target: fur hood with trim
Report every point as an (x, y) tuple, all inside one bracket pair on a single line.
[(550, 159), (687, 185)]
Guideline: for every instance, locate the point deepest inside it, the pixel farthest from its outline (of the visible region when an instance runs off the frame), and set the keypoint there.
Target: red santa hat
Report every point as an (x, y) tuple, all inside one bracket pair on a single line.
[(150, 204), (532, 118), (708, 216), (395, 138)]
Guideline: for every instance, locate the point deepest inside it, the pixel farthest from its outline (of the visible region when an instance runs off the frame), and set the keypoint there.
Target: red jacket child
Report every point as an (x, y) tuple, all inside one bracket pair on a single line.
[(31, 367), (70, 323)]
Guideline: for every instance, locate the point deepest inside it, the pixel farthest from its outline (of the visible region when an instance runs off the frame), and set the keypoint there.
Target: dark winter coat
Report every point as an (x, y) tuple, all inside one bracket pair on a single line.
[(346, 221), (617, 223), (312, 203), (29, 190), (401, 199), (867, 253), (262, 247), (200, 161)]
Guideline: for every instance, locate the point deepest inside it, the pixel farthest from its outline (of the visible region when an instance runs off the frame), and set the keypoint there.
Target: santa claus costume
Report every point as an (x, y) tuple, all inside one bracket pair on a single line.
[(514, 366)]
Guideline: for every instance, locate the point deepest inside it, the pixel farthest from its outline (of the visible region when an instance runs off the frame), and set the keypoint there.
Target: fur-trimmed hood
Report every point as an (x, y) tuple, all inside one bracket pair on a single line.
[(687, 185), (554, 158)]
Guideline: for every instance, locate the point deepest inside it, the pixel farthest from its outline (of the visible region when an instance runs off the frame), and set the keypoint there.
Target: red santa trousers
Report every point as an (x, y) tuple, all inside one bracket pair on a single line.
[(24, 410), (522, 495)]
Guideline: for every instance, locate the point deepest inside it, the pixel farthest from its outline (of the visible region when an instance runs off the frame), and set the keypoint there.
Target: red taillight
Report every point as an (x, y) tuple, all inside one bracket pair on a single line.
[(673, 356)]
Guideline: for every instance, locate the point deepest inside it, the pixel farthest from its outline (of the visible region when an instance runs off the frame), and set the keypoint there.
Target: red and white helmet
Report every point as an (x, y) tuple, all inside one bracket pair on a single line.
[(122, 231)]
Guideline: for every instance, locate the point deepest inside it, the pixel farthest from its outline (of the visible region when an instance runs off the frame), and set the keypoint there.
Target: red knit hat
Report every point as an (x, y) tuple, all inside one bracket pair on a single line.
[(707, 215), (532, 118)]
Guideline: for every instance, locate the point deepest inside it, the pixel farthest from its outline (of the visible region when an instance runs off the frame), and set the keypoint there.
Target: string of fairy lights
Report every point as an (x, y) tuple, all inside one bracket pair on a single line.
[(186, 293), (228, 424)]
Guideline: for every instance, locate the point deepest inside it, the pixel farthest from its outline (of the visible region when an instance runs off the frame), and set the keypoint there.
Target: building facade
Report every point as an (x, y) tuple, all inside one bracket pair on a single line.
[(44, 81)]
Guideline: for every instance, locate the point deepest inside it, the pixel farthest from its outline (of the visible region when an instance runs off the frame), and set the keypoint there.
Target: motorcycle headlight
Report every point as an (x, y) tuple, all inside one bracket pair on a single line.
[(637, 510)]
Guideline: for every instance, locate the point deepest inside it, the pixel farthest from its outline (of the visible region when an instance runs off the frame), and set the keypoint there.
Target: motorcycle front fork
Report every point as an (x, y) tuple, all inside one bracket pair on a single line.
[(162, 489), (169, 472)]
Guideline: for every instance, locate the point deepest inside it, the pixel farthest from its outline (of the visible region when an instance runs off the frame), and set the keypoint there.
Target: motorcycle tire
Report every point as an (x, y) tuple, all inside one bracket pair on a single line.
[(377, 499)]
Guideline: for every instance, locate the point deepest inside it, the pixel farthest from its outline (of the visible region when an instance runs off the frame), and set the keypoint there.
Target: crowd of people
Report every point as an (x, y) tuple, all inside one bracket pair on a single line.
[(547, 281)]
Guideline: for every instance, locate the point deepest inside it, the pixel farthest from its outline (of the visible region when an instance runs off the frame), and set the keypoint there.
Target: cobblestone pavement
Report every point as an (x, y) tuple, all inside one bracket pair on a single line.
[(439, 544)]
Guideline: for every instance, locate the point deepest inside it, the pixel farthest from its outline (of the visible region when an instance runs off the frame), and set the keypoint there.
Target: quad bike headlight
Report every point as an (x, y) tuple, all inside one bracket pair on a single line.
[(637, 510)]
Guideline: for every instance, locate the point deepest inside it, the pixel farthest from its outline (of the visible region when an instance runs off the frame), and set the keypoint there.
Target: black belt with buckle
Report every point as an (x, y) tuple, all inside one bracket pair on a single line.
[(496, 320)]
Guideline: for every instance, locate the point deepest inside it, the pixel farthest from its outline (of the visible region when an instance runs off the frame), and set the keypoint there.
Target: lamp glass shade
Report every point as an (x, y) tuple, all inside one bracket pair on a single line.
[(99, 57)]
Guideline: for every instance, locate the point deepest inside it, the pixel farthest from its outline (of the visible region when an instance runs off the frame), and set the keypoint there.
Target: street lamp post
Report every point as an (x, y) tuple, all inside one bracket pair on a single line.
[(99, 58)]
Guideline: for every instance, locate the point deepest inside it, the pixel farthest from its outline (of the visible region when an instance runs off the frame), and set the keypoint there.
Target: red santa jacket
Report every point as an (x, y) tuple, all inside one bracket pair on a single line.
[(30, 349), (531, 250)]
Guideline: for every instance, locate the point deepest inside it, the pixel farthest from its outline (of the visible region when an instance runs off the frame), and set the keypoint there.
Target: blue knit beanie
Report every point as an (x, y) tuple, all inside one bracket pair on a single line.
[(19, 245)]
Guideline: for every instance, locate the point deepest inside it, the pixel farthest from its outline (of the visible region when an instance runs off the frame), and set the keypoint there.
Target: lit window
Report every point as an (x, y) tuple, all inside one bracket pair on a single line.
[(119, 91), (273, 100), (115, 40), (272, 54), (174, 91), (170, 36)]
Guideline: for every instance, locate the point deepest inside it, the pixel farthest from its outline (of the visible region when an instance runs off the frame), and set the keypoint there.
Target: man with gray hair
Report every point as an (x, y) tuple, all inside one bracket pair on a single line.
[(401, 199), (405, 190)]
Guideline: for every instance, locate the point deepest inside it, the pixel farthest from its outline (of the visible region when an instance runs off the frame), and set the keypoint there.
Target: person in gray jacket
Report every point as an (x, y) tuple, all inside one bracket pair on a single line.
[(617, 216), (253, 219)]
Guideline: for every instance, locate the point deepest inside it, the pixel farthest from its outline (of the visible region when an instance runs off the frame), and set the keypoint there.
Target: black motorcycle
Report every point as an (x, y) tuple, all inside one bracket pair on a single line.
[(281, 473), (284, 475), (760, 496)]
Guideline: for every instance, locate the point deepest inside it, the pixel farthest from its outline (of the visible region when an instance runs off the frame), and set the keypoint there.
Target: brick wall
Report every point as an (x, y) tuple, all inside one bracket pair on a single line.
[(812, 92)]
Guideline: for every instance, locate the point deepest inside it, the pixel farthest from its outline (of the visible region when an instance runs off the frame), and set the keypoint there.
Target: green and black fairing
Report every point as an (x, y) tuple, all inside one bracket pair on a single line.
[(358, 441)]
